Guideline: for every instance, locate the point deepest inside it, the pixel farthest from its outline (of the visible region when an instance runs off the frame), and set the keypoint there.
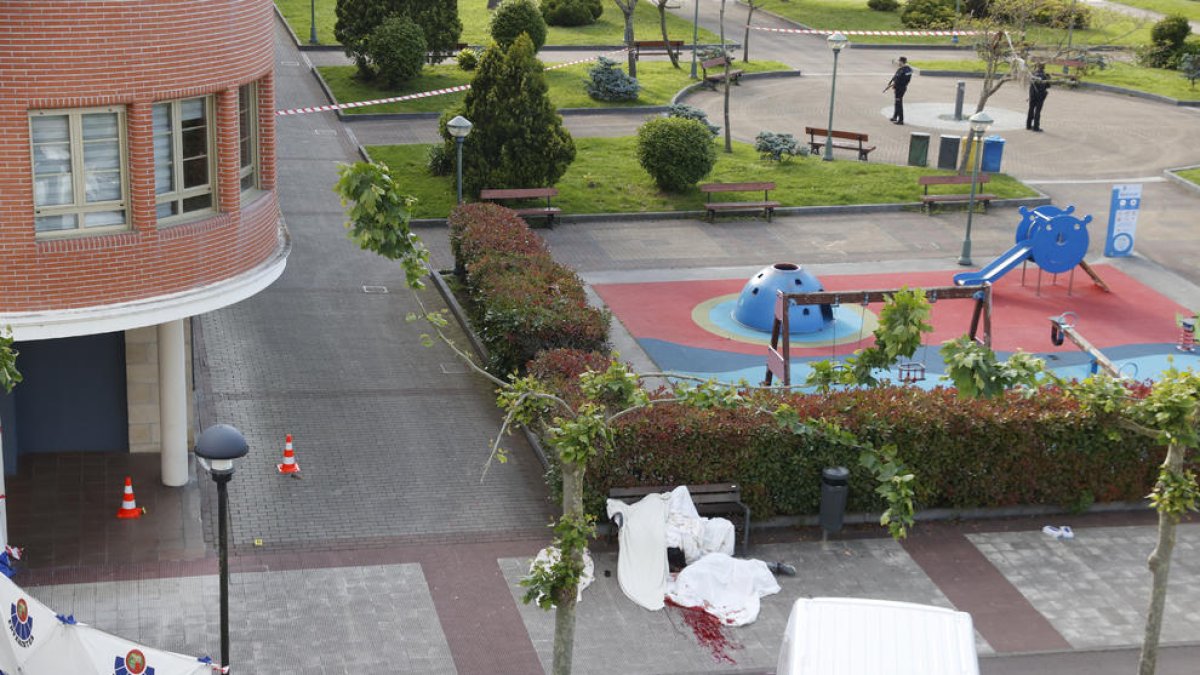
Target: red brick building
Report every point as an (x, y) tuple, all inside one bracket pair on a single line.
[(137, 189)]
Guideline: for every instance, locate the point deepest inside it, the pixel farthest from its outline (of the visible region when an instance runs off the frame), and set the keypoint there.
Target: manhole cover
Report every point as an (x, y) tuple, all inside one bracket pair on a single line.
[(375, 289)]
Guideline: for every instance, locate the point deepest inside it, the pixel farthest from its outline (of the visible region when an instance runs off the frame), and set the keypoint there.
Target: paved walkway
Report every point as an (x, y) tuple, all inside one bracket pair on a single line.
[(390, 554)]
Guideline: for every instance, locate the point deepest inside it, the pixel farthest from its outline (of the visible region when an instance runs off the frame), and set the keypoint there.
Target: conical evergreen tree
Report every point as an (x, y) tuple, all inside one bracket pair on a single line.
[(518, 140)]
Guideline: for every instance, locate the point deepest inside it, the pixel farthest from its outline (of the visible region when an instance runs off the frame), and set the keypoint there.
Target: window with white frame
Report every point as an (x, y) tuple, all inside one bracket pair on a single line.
[(78, 169), (183, 157), (248, 135)]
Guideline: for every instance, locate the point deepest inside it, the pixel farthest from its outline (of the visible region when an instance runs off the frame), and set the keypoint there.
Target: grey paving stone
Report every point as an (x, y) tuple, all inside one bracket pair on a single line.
[(307, 622), (613, 635), (1096, 587)]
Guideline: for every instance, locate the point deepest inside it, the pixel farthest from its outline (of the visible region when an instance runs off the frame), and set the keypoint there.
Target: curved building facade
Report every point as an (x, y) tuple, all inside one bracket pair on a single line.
[(137, 189)]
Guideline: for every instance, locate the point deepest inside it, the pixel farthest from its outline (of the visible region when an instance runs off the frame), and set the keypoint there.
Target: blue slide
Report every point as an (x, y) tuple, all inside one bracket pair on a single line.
[(998, 267)]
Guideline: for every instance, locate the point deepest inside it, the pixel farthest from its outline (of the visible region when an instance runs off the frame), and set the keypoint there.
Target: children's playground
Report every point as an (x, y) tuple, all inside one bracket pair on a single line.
[(1032, 297)]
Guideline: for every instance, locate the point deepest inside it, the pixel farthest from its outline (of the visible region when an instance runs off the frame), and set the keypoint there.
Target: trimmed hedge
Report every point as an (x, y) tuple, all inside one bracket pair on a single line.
[(965, 453), (522, 301)]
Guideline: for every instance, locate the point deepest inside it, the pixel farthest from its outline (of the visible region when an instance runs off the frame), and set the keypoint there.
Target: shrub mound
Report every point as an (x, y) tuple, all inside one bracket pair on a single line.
[(514, 17), (523, 302), (397, 49), (676, 152)]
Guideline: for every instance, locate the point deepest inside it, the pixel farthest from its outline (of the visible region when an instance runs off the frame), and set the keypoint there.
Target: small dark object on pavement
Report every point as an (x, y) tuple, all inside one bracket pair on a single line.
[(782, 568)]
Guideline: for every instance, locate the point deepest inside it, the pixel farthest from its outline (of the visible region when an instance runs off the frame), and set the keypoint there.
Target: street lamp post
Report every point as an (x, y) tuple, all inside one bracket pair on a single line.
[(1070, 31), (980, 122), (836, 42), (312, 35), (220, 445), (459, 127), (695, 34)]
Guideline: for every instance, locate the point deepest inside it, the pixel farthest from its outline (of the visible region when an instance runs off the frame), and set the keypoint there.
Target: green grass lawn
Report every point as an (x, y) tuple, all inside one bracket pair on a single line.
[(1192, 175), (1109, 28), (1151, 80), (608, 30), (606, 178), (1188, 8), (659, 83)]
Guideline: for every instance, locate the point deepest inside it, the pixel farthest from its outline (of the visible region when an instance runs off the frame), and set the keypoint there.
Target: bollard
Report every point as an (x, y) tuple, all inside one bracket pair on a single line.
[(835, 486), (959, 93)]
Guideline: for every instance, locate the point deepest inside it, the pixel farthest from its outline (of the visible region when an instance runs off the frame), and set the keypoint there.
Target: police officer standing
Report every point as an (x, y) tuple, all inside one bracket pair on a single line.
[(1039, 87), (899, 84)]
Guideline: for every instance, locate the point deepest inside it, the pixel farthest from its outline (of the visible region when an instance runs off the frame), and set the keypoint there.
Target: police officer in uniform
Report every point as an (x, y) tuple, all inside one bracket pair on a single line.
[(1039, 86), (899, 84)]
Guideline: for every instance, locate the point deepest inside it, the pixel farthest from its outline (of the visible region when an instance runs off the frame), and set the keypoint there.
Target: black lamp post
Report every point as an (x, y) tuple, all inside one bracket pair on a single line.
[(459, 127), (312, 35), (695, 34), (220, 445), (980, 122)]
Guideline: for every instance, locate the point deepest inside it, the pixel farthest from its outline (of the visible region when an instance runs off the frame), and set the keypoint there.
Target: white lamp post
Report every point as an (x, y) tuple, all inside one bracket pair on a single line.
[(836, 42), (459, 127), (980, 122), (695, 34)]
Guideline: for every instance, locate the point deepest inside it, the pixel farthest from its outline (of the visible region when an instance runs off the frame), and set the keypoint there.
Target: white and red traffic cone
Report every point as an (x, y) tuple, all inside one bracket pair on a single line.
[(129, 507), (289, 458)]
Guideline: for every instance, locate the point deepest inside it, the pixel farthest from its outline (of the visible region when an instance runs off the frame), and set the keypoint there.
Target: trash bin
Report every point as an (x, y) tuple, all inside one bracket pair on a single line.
[(993, 151), (948, 152), (968, 151), (835, 485), (918, 149)]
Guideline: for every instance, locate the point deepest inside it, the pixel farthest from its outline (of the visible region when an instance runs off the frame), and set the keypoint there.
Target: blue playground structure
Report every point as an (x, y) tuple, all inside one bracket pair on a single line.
[(1051, 237)]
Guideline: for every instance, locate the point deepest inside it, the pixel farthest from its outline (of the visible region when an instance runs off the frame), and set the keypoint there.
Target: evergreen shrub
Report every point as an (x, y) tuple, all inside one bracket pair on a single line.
[(676, 152), (689, 112), (397, 50), (467, 59), (569, 12), (514, 17), (883, 5), (440, 161), (607, 82), (775, 146), (930, 14)]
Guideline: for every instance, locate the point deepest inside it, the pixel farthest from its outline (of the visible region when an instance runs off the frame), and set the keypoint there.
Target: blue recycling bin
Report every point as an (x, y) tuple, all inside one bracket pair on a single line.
[(993, 151)]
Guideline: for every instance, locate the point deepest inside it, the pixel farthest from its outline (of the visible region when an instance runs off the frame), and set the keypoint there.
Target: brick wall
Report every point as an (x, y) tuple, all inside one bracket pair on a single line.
[(132, 53)]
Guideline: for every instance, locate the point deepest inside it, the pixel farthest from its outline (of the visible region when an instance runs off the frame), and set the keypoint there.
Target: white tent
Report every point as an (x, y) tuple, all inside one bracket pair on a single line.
[(37, 641)]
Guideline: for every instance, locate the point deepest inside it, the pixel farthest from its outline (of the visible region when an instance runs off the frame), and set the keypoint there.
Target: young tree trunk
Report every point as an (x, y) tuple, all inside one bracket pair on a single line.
[(662, 22), (752, 5), (627, 7), (1160, 567), (728, 133), (564, 613)]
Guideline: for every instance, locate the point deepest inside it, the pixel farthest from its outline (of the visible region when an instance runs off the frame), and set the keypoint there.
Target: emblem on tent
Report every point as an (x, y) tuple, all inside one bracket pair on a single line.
[(134, 663), (20, 623)]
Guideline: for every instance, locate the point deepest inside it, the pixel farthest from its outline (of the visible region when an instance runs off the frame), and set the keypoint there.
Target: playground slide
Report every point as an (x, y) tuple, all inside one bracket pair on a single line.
[(997, 268)]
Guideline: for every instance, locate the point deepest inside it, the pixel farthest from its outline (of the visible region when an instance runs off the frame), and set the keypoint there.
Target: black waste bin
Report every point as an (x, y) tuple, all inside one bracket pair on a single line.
[(835, 486), (948, 152), (918, 149)]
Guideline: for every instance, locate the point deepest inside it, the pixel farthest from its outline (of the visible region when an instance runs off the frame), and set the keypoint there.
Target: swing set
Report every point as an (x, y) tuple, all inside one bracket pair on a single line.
[(779, 353)]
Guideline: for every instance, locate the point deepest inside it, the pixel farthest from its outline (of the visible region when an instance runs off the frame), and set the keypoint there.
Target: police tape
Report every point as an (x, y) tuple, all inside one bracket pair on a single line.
[(902, 33), (423, 94)]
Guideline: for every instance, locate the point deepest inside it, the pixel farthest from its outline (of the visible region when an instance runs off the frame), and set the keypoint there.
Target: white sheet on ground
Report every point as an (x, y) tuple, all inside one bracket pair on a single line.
[(642, 560), (728, 588), (695, 535)]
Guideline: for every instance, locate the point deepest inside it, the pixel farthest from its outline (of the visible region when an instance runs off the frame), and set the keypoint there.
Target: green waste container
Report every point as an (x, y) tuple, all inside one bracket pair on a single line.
[(918, 149)]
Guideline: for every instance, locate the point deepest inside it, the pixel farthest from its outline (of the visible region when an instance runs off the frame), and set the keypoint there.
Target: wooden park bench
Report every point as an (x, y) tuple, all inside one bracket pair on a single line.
[(928, 200), (766, 205), (715, 499), (548, 211), (817, 137), (655, 48), (717, 76), (1071, 69)]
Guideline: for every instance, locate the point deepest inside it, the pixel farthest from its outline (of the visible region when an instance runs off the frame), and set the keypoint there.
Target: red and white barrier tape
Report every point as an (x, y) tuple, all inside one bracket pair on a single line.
[(905, 33), (423, 94)]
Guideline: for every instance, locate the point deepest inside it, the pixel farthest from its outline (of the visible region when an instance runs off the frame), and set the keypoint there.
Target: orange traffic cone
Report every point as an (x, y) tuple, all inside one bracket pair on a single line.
[(289, 458), (129, 507)]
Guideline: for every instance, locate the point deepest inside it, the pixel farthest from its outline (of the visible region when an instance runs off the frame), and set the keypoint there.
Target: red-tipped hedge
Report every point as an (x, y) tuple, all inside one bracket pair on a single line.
[(523, 301), (965, 453)]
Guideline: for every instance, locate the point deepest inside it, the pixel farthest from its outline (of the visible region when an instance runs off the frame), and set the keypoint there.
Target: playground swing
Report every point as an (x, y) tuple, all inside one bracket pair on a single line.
[(912, 372)]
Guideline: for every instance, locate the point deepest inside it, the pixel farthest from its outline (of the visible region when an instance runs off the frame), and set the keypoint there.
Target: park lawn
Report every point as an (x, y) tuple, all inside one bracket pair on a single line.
[(608, 30), (1192, 175), (606, 178), (660, 82), (1109, 27), (1170, 83), (1188, 8)]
